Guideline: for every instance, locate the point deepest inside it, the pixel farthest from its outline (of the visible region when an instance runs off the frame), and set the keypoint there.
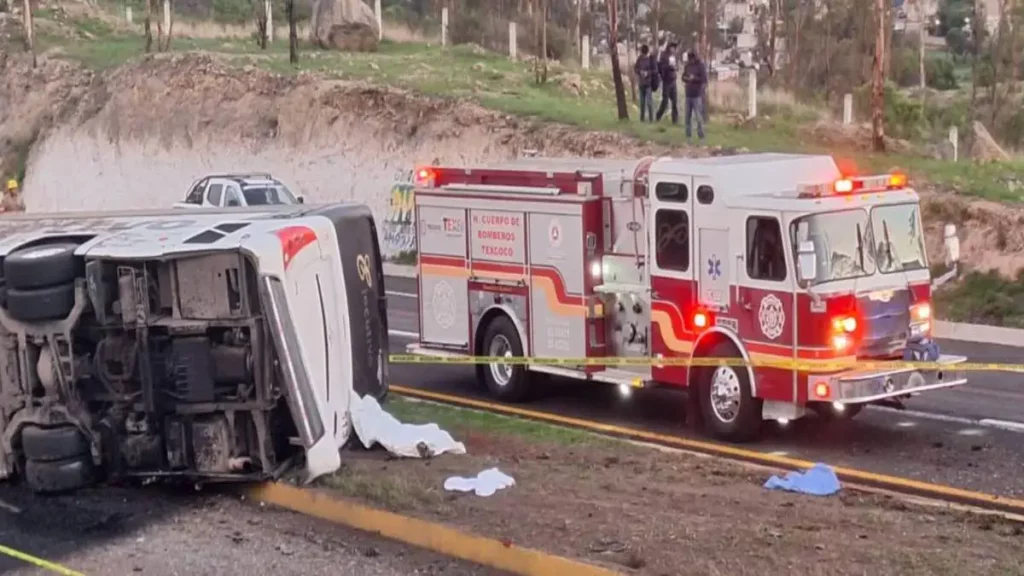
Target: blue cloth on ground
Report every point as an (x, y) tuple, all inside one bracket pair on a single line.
[(819, 480), (925, 350)]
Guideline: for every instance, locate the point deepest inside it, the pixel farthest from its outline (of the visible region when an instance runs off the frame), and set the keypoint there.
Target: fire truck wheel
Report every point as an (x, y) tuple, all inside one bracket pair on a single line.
[(828, 412), (41, 266), (507, 382), (729, 410)]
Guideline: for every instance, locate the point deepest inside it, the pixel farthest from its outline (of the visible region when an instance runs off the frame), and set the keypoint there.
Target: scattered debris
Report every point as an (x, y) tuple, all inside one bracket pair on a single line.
[(484, 484), (375, 426), (819, 480)]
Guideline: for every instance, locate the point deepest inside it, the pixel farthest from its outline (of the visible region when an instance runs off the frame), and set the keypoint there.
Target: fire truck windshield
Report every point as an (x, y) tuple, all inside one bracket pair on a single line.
[(850, 244), (899, 241)]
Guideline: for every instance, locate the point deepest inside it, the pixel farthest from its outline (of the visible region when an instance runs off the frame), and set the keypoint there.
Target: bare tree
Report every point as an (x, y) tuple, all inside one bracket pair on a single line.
[(613, 46), (922, 78), (293, 33), (30, 33), (261, 15), (878, 81), (540, 27), (166, 29), (148, 25), (772, 35)]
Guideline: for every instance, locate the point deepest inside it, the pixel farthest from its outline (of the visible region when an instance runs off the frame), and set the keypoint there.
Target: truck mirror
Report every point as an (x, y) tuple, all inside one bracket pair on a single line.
[(951, 244), (806, 262)]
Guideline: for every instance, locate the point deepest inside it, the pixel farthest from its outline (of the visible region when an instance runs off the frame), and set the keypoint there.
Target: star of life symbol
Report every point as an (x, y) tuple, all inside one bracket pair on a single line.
[(443, 302), (555, 233), (771, 317), (714, 267)]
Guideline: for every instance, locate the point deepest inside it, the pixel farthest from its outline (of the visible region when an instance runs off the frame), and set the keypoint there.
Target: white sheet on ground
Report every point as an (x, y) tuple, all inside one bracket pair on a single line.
[(485, 484), (375, 426)]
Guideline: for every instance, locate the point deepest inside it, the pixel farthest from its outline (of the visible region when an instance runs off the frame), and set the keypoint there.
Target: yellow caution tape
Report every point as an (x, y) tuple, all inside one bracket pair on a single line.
[(794, 364), (38, 562)]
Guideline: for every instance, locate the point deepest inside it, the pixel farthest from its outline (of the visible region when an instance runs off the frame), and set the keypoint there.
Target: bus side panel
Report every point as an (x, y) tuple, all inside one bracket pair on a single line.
[(363, 281)]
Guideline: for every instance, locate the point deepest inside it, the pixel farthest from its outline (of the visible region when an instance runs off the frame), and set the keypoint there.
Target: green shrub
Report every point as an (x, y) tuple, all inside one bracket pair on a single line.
[(984, 298)]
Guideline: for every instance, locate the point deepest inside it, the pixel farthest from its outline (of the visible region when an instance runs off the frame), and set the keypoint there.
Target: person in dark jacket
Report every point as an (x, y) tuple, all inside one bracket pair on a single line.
[(695, 77), (646, 70), (668, 67)]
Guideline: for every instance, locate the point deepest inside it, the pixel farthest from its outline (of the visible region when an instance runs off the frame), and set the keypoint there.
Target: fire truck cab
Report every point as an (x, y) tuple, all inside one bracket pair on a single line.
[(629, 270)]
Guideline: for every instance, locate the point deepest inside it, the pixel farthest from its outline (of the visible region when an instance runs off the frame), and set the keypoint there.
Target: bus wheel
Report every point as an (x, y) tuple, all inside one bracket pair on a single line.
[(507, 382), (729, 410)]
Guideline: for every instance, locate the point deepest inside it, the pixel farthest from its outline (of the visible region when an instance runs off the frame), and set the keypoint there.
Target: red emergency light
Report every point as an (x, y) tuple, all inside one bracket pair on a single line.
[(425, 177), (855, 184)]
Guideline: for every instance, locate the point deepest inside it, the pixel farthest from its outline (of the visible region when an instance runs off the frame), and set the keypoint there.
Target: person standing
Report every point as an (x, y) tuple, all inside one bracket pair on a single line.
[(646, 70), (695, 78), (11, 201), (668, 67)]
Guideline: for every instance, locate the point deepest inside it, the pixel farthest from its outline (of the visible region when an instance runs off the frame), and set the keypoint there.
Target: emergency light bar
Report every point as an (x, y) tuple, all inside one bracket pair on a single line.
[(859, 184)]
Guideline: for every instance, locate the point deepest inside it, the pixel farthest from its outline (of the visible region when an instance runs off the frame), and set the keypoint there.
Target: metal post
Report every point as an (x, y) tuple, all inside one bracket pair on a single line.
[(848, 109), (954, 139), (585, 51), (512, 38), (167, 16), (444, 26), (128, 14), (752, 92), (380, 19)]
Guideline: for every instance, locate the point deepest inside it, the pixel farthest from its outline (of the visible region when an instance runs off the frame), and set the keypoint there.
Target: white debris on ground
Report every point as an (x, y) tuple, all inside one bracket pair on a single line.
[(375, 426), (484, 484)]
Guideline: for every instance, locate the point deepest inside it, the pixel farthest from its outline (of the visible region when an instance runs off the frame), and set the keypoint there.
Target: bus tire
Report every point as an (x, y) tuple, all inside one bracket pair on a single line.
[(60, 476), (728, 407), (41, 266), (508, 383), (41, 304), (53, 444)]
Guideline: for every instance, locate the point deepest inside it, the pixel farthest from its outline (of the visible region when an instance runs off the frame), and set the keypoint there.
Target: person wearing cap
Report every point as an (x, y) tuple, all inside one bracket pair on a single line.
[(695, 77), (11, 201)]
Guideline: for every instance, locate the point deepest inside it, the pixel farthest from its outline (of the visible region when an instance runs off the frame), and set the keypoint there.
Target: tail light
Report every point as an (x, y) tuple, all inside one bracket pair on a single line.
[(844, 328)]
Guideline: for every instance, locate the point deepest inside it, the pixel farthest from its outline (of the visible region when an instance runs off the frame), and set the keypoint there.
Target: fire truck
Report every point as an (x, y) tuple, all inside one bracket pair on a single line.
[(780, 262)]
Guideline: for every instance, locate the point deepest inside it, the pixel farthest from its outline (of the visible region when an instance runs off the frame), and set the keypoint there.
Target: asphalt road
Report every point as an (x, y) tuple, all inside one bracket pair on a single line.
[(157, 532), (942, 437)]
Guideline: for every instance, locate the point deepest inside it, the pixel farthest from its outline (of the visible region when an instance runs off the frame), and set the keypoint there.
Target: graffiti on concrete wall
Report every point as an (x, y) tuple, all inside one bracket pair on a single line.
[(399, 229)]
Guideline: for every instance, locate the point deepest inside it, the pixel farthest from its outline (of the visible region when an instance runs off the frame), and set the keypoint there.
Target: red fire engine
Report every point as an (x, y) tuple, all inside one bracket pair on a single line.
[(763, 258)]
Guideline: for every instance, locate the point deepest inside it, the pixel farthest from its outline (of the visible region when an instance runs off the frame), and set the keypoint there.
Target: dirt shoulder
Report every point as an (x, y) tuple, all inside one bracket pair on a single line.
[(642, 510)]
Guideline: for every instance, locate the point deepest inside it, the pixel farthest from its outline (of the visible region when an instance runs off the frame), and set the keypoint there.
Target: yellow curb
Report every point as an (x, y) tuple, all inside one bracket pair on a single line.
[(420, 533)]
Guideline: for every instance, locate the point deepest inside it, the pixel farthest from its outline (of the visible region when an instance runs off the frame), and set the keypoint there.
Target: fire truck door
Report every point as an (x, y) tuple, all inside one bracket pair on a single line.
[(672, 273), (713, 263)]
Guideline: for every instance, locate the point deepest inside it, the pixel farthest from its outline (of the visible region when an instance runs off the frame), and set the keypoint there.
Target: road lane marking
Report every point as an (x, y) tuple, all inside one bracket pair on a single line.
[(1003, 424), (904, 485), (38, 562), (401, 294)]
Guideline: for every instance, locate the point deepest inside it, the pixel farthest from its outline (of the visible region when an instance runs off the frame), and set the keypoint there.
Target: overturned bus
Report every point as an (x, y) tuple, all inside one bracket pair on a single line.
[(214, 346)]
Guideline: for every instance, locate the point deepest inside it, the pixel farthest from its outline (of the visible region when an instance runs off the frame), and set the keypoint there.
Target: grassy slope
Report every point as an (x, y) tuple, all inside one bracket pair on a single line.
[(497, 83)]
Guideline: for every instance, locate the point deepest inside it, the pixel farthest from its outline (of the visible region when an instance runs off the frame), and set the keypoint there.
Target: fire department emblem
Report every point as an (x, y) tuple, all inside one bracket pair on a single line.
[(555, 233), (771, 316), (444, 305)]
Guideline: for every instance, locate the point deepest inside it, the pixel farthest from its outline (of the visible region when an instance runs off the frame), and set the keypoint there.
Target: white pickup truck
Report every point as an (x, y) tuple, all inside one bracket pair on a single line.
[(238, 190)]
